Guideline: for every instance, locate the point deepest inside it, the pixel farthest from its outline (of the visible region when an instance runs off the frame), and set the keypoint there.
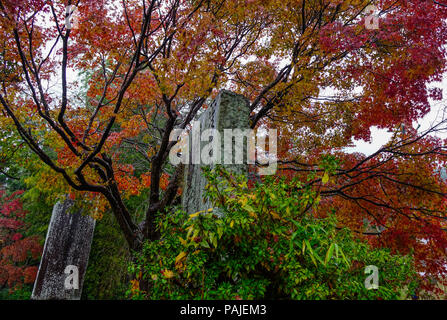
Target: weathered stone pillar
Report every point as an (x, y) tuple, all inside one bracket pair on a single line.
[(228, 111), (65, 255)]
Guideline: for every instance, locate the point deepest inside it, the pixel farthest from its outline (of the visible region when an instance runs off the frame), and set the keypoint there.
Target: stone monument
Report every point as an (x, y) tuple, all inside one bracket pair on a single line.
[(65, 255)]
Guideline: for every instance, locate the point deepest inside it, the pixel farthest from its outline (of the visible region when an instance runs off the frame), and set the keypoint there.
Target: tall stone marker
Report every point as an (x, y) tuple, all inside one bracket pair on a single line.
[(228, 111), (65, 255)]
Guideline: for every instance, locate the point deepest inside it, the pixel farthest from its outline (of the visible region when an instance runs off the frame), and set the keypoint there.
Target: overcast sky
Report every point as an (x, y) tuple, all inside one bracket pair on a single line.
[(379, 137)]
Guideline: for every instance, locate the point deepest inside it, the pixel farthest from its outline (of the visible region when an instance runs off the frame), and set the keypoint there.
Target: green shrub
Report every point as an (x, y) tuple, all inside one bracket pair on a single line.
[(22, 293), (265, 245)]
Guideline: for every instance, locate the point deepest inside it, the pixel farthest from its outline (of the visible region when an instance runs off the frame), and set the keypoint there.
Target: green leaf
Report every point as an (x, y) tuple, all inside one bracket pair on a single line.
[(329, 253), (336, 251), (313, 254), (213, 239), (205, 244), (344, 257), (219, 231), (248, 208)]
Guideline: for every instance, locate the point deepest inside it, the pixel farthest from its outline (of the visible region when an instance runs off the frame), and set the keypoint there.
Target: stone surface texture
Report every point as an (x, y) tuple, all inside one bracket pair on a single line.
[(228, 111), (68, 242)]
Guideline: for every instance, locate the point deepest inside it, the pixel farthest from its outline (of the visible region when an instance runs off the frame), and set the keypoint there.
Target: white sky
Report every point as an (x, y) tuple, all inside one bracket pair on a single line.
[(379, 137)]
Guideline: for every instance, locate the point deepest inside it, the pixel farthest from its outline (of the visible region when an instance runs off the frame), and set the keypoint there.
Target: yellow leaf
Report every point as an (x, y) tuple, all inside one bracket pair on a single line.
[(231, 223), (243, 201), (325, 178), (254, 215), (180, 256), (193, 215), (183, 242), (275, 215), (135, 285), (168, 274), (250, 210), (243, 184)]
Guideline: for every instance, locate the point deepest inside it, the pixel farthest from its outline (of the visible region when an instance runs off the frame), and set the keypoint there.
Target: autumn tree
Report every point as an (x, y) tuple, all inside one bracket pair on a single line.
[(19, 254), (315, 70)]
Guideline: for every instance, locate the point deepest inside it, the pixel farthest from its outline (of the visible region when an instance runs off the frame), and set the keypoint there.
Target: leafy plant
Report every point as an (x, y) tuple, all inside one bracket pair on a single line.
[(265, 244), (19, 255)]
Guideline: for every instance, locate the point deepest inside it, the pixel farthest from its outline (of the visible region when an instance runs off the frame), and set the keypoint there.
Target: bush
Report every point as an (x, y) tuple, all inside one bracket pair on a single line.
[(262, 243), (19, 254)]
